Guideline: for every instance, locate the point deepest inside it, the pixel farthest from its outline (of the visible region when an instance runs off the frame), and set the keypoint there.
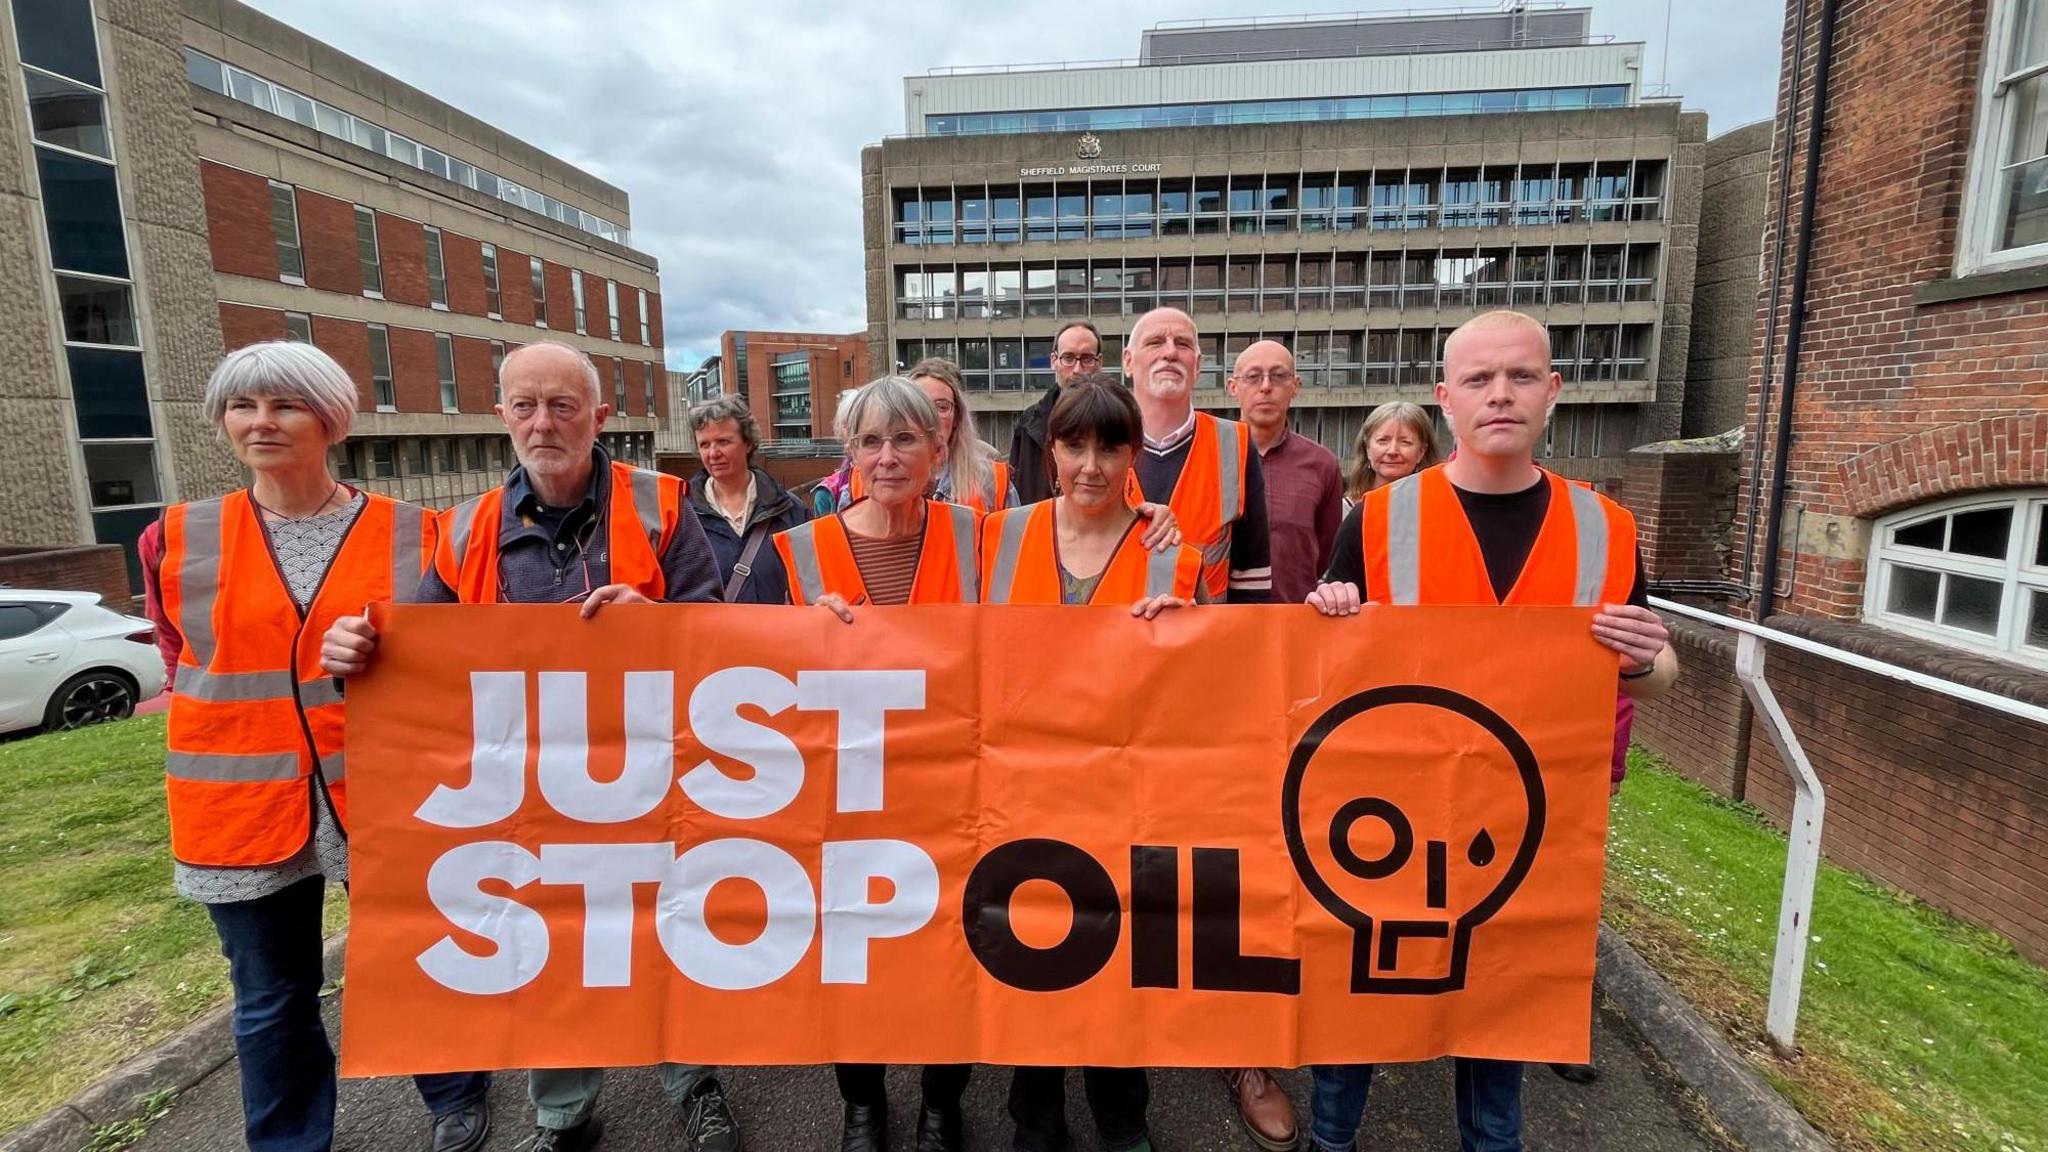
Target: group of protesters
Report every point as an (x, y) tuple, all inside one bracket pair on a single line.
[(1114, 491)]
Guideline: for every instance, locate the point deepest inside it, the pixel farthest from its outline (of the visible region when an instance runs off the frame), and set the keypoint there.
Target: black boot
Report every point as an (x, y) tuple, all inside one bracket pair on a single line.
[(866, 1130), (938, 1129)]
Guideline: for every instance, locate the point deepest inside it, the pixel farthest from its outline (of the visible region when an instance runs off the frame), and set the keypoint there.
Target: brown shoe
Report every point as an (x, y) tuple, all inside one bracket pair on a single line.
[(1267, 1112)]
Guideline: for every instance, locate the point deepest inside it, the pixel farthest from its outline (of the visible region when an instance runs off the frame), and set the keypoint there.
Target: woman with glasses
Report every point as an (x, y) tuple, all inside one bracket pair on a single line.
[(968, 472), (1076, 351)]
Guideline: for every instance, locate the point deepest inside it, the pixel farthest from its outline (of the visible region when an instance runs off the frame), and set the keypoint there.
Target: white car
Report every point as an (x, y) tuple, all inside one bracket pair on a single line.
[(67, 662)]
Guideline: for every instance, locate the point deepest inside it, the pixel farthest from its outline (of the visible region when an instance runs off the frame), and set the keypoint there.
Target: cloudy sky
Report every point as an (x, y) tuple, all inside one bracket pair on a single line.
[(736, 128)]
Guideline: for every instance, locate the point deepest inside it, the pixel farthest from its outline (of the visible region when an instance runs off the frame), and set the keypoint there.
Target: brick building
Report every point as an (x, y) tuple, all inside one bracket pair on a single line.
[(791, 380), (204, 177), (1913, 514)]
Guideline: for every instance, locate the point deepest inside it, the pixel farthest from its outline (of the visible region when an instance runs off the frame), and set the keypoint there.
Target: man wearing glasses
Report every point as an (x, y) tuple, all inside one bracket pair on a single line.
[(1076, 351), (569, 525), (1304, 485)]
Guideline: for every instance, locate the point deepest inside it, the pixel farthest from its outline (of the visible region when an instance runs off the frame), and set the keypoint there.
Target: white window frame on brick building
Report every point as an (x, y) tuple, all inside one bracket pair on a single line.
[(1916, 550), (492, 301), (369, 253), (646, 333), (444, 368), (382, 384), (284, 229), (576, 290), (538, 268), (437, 270), (2007, 83)]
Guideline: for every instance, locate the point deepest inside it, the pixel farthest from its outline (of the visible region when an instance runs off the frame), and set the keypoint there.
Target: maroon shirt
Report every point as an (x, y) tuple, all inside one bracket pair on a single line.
[(1304, 505)]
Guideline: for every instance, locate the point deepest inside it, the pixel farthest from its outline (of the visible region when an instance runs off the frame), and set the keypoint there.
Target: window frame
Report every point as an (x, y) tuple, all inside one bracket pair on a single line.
[(383, 388), (611, 299), (444, 372), (437, 286), (576, 290), (307, 317), (298, 240), (494, 300), (2019, 578), (1983, 198), (646, 333), (373, 264), (538, 267)]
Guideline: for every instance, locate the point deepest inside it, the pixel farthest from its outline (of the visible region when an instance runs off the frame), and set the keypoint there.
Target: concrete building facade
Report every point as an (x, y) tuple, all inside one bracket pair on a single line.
[(266, 186), (1356, 209)]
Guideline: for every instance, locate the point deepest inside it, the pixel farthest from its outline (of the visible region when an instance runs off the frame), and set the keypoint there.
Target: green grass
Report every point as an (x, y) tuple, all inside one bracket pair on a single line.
[(1916, 1030), (99, 958)]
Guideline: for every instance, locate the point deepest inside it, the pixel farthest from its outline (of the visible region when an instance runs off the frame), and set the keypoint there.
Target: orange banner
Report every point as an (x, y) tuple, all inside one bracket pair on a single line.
[(757, 835)]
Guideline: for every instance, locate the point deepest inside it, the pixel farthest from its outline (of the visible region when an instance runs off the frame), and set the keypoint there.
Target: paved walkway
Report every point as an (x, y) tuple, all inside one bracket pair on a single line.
[(1634, 1107)]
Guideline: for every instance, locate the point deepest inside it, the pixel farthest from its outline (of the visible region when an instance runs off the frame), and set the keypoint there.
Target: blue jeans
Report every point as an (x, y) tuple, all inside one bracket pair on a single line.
[(1489, 1099), (273, 948)]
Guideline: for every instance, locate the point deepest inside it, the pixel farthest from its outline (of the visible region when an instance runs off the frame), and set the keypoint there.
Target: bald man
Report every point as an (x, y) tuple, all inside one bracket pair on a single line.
[(1204, 467), (1304, 485)]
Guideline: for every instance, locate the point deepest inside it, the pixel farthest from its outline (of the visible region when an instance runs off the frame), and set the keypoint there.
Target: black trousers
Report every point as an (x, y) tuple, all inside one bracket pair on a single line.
[(861, 1084), (1117, 1097)]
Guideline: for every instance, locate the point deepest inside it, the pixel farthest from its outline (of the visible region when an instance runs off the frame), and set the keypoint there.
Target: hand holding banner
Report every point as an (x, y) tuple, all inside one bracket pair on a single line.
[(737, 835)]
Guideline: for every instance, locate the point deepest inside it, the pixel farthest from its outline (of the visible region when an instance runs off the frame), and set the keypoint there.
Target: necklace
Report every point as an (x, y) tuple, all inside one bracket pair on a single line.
[(290, 519)]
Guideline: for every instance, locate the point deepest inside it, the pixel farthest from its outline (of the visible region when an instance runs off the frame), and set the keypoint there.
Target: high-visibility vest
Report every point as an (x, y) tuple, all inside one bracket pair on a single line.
[(641, 517), (255, 725), (1020, 563), (983, 501), (818, 556), (1208, 499), (1420, 548)]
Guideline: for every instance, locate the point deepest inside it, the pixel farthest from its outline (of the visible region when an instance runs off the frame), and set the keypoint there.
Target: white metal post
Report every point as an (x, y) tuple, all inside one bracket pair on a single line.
[(1802, 851)]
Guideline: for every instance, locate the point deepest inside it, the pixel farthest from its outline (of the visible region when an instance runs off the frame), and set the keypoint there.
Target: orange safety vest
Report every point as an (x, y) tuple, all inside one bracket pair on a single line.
[(1020, 562), (641, 520), (1208, 499), (1420, 549), (983, 502), (818, 556), (255, 725)]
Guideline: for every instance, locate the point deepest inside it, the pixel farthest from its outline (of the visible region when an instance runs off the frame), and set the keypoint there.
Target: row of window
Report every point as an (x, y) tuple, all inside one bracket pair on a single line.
[(1588, 353), (1972, 572), (793, 394), (384, 387), (279, 100), (1522, 276), (291, 263), (1279, 111), (1382, 199), (406, 457)]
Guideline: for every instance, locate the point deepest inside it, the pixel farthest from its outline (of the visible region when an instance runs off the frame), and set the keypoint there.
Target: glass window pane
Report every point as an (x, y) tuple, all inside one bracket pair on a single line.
[(206, 72), (83, 209), (2037, 620), (2041, 536), (249, 89), (1926, 534), (298, 327), (366, 249), (119, 474), (108, 393), (96, 311), (2026, 204), (1972, 604), (432, 161), (402, 150), (68, 115), (2030, 37), (57, 35), (332, 121), (1912, 592), (370, 136), (1986, 532), (293, 106)]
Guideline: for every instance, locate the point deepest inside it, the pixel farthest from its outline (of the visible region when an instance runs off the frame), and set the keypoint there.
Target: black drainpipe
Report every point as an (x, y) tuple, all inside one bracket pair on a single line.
[(1795, 330)]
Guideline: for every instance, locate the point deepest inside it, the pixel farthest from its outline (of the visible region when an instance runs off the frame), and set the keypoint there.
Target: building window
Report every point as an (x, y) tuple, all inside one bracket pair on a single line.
[(383, 459), (618, 387), (284, 225), (2005, 216), (68, 115), (497, 371), (97, 311), (646, 333), (540, 294), (491, 280), (611, 299), (652, 373), (1972, 573), (576, 290), (298, 327), (366, 251), (444, 364), (437, 272), (380, 369)]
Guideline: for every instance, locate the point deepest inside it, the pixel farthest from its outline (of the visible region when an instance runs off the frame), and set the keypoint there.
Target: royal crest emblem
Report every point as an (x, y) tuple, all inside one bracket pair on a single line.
[(1090, 146)]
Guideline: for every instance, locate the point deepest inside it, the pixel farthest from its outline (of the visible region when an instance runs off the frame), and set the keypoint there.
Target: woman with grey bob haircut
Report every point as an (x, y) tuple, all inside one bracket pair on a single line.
[(728, 406), (230, 582), (284, 368)]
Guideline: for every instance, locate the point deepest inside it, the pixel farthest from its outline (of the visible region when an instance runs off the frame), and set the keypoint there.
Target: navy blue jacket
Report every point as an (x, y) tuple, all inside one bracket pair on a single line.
[(773, 506)]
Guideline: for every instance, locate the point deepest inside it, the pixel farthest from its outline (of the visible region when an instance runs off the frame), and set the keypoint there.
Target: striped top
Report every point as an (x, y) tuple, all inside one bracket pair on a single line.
[(887, 567)]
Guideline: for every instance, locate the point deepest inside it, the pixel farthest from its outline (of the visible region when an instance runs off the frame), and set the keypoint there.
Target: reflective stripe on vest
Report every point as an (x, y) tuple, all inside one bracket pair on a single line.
[(1009, 543), (1590, 520), (461, 522), (803, 557), (199, 578), (965, 525), (803, 553), (1160, 569), (647, 505), (1230, 480)]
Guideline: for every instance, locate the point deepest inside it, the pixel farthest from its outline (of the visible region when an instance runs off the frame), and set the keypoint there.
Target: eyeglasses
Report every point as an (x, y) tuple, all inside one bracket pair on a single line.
[(1077, 359), (904, 442), (1280, 378)]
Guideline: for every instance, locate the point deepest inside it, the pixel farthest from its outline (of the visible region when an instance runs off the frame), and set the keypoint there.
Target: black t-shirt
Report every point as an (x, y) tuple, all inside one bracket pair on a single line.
[(1506, 525)]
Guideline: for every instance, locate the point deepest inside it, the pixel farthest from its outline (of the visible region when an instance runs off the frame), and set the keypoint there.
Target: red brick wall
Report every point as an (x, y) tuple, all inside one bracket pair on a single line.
[(1684, 503), (101, 568), (242, 325), (654, 317), (415, 375), (1702, 726), (1898, 401), (636, 389), (238, 229), (660, 389), (463, 260), (596, 309), (348, 341), (327, 230), (515, 286), (402, 245), (473, 374), (561, 298)]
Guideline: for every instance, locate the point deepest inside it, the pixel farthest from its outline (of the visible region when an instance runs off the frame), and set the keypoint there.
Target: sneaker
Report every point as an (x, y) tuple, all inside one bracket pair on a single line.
[(707, 1119), (582, 1136)]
